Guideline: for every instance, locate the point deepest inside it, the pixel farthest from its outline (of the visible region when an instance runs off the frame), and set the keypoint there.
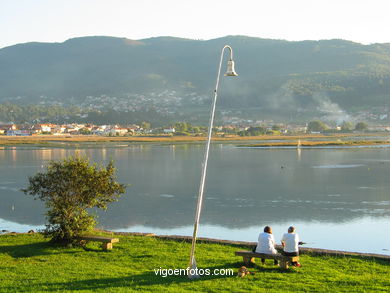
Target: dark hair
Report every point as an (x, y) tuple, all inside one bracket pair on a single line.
[(267, 229), (291, 229)]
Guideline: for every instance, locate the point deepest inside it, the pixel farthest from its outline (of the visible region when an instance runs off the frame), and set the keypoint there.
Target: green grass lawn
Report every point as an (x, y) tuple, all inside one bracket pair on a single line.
[(29, 263)]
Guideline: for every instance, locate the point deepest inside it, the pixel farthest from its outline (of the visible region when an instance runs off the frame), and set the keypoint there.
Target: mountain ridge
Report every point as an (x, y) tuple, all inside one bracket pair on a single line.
[(274, 75)]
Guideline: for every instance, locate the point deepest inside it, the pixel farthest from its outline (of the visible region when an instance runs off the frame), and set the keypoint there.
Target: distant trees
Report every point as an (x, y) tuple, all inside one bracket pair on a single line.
[(56, 114), (253, 131), (187, 128), (32, 113), (69, 188), (182, 126), (145, 125), (229, 130), (316, 126), (361, 126), (85, 131), (346, 126)]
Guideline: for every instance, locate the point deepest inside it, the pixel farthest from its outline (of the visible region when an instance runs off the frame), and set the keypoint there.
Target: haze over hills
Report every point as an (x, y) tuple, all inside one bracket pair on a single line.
[(332, 78)]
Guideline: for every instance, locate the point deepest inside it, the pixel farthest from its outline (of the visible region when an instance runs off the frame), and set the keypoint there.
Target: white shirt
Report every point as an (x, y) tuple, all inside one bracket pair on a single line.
[(290, 242), (266, 244)]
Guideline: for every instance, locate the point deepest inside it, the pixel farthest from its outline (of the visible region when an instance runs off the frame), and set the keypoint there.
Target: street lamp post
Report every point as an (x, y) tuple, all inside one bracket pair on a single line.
[(192, 273)]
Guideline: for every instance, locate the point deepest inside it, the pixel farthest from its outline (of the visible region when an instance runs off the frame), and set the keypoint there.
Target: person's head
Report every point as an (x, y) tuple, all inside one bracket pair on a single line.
[(291, 229), (268, 229)]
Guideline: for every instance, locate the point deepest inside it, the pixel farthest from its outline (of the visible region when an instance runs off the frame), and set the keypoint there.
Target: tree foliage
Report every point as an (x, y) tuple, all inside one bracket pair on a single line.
[(361, 126), (346, 126), (57, 114), (351, 74), (253, 131), (37, 113), (70, 187), (185, 127), (316, 126)]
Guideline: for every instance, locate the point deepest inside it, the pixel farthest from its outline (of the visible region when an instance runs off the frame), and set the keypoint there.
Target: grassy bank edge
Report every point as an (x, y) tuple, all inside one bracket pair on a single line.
[(46, 139), (31, 264), (320, 143)]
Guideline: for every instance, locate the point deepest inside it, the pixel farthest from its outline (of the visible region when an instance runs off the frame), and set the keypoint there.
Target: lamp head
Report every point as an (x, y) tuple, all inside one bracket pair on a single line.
[(230, 69)]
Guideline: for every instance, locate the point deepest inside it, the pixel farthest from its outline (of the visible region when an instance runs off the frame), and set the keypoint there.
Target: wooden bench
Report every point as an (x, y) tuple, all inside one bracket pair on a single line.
[(106, 242), (249, 258)]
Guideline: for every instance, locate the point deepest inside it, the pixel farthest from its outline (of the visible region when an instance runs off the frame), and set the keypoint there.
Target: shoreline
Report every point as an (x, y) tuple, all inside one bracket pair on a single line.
[(287, 140), (302, 250), (313, 144)]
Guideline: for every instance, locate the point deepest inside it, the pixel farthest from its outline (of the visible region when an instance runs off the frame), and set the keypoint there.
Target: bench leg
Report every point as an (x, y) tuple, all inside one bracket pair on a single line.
[(284, 264), (248, 260), (107, 246)]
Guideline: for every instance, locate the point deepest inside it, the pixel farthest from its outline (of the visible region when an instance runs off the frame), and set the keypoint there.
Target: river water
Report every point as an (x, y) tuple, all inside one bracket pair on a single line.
[(338, 198)]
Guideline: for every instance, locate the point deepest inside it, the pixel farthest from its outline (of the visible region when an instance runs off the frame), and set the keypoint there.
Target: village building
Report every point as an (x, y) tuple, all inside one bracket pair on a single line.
[(169, 130), (45, 128), (7, 127)]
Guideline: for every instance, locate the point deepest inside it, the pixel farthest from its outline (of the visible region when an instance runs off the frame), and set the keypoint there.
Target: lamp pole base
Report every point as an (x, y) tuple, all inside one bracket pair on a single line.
[(193, 271)]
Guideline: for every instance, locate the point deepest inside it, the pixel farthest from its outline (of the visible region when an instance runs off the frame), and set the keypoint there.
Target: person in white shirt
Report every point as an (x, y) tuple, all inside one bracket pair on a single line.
[(290, 242), (266, 244)]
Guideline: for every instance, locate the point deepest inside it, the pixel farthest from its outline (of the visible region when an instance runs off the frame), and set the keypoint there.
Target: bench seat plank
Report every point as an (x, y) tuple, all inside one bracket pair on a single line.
[(249, 257), (106, 242), (99, 239)]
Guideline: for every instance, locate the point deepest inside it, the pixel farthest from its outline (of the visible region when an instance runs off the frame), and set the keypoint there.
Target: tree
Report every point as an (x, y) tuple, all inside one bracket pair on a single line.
[(69, 188), (361, 126), (181, 126), (145, 125), (316, 126), (85, 131), (253, 131), (196, 129), (346, 126)]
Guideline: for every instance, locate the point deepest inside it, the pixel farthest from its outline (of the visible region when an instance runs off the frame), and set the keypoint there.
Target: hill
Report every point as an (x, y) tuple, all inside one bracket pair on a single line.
[(177, 76)]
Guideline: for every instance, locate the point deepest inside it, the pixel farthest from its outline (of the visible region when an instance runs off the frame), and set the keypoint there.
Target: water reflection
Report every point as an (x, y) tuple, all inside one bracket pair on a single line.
[(244, 187), (315, 234)]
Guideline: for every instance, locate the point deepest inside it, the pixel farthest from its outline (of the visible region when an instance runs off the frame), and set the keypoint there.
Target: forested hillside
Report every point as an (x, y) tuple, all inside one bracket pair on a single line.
[(174, 75)]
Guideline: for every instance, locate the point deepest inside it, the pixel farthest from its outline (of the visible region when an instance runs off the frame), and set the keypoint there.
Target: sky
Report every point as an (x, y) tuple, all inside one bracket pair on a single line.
[(58, 20)]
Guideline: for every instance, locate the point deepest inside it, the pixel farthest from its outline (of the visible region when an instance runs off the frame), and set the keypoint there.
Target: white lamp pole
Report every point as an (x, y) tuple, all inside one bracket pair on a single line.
[(230, 72)]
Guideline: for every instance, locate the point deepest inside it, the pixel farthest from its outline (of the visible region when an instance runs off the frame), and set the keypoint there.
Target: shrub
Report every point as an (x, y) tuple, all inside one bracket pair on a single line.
[(68, 188)]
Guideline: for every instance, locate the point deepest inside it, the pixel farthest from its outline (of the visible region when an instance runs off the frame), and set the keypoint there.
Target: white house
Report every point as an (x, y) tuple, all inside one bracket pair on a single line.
[(169, 130)]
